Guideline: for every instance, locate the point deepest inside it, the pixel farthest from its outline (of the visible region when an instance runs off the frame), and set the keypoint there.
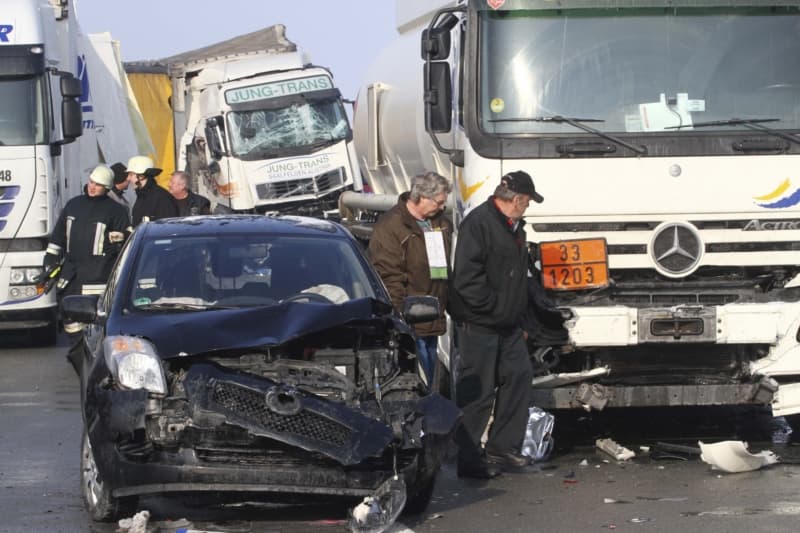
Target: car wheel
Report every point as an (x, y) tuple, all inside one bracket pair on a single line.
[(97, 498), (417, 503)]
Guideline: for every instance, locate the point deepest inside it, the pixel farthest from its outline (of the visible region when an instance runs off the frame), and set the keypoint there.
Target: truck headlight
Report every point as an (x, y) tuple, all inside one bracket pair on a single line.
[(134, 363)]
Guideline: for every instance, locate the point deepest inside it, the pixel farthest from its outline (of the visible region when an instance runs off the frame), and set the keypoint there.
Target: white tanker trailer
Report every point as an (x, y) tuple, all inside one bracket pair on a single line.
[(663, 135)]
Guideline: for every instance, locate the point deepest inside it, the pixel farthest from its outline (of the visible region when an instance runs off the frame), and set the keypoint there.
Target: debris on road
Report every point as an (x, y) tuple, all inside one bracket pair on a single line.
[(782, 431), (377, 513), (136, 524), (666, 450), (620, 453), (538, 442), (732, 456)]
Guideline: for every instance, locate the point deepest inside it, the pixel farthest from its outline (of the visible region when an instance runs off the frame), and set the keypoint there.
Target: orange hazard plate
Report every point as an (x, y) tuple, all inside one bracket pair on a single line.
[(574, 265)]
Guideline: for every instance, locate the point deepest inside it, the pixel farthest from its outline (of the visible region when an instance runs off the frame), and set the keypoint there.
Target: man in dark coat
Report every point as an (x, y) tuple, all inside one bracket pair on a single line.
[(410, 248), (488, 300), (87, 237), (121, 184), (152, 201), (189, 202)]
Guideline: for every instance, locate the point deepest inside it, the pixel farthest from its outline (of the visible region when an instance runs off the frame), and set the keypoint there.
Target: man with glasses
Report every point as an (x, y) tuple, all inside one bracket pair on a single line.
[(152, 201), (410, 249), (488, 300)]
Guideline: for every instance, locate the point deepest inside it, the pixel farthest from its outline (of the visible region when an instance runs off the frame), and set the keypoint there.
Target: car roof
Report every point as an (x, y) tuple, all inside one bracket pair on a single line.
[(214, 224)]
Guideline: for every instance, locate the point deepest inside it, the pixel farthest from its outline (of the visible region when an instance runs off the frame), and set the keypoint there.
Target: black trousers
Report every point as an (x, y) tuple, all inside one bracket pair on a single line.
[(494, 369)]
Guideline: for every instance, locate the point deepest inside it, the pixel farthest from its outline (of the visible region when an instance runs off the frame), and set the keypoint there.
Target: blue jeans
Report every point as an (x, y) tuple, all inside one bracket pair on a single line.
[(427, 354)]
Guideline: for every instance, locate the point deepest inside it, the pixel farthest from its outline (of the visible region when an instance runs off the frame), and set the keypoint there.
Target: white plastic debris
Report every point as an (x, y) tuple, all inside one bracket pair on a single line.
[(538, 442), (137, 524), (620, 453), (732, 456)]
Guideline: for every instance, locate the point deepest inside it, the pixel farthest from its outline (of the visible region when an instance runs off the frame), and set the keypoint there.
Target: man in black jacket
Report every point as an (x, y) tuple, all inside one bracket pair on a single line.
[(87, 236), (488, 298), (189, 202), (152, 201)]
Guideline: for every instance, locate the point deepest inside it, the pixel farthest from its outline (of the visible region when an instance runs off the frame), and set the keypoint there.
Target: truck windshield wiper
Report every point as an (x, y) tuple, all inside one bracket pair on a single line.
[(749, 123), (580, 124)]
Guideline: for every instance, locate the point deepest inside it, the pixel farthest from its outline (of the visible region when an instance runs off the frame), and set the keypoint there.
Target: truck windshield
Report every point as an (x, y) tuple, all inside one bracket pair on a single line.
[(22, 113), (301, 125), (639, 70)]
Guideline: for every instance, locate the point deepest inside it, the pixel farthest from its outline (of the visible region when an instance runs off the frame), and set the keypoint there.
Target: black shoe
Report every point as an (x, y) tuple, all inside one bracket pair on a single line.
[(477, 470), (508, 460)]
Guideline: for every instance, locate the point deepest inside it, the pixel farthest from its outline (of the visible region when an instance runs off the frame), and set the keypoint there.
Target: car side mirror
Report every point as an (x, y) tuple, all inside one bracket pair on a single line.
[(80, 308), (420, 309)]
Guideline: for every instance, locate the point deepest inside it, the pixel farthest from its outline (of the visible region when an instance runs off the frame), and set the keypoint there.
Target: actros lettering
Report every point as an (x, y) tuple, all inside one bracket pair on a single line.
[(771, 225)]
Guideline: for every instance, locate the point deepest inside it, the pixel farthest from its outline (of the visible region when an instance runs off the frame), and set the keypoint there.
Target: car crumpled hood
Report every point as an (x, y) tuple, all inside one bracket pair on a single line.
[(192, 332)]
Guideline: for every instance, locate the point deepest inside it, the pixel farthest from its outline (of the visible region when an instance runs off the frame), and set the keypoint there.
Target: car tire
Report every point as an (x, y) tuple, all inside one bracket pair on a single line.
[(97, 498), (418, 502)]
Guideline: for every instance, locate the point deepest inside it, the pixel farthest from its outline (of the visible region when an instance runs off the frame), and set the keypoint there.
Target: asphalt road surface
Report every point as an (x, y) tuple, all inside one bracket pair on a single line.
[(578, 489)]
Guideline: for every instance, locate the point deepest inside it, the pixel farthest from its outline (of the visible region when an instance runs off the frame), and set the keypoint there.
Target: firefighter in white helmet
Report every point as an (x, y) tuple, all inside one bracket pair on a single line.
[(86, 239)]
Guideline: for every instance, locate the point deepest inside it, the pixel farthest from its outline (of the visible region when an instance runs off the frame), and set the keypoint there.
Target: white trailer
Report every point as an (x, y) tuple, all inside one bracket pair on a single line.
[(45, 65), (663, 136)]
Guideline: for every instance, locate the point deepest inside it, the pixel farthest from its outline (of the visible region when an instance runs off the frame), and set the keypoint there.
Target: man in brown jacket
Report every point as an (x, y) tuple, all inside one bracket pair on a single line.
[(410, 249)]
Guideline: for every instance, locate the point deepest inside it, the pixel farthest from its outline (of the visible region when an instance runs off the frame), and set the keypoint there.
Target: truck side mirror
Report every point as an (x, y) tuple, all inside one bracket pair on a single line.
[(435, 43), (71, 86), (71, 119), (438, 97), (213, 139)]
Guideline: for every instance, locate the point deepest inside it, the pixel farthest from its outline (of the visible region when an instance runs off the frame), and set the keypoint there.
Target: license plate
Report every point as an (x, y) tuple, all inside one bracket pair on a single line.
[(574, 265)]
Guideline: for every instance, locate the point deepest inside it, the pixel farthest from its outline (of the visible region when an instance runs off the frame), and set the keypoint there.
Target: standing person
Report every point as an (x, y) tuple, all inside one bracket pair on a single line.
[(121, 184), (87, 236), (189, 203), (488, 299), (410, 249), (152, 201)]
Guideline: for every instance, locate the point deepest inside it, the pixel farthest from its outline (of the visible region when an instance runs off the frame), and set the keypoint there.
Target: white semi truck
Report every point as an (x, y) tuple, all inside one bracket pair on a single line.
[(663, 136), (262, 129), (40, 113), (47, 101)]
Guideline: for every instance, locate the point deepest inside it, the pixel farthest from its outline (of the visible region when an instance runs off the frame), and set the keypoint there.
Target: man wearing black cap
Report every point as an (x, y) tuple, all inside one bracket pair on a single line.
[(488, 298), (121, 184)]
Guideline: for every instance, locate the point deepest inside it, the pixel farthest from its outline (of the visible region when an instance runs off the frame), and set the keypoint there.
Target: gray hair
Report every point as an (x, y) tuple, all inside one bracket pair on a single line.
[(183, 176), (504, 193), (428, 185)]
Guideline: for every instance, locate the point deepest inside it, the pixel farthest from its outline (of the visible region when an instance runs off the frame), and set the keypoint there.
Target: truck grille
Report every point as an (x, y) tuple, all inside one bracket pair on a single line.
[(251, 405), (301, 187)]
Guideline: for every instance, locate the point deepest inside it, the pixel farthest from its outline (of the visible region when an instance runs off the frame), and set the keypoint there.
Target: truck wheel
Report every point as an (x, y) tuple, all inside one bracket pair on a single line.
[(97, 498)]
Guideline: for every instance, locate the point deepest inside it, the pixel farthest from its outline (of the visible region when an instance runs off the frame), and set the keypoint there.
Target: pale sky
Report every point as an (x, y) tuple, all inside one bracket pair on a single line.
[(344, 35)]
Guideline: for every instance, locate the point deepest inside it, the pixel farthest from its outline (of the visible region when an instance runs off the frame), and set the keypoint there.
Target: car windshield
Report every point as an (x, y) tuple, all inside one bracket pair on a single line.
[(638, 70), (198, 273)]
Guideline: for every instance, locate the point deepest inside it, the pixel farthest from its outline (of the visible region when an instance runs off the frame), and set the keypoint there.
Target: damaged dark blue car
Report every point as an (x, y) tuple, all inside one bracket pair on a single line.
[(251, 356)]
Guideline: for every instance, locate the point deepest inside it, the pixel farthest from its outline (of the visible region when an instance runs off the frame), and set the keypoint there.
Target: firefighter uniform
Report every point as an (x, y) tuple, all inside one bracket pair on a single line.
[(87, 238)]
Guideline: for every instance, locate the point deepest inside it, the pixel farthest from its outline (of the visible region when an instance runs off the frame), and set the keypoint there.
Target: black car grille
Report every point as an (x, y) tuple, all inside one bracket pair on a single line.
[(251, 406)]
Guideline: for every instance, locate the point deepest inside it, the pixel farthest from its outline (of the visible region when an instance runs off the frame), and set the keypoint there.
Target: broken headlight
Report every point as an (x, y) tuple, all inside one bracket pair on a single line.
[(134, 364)]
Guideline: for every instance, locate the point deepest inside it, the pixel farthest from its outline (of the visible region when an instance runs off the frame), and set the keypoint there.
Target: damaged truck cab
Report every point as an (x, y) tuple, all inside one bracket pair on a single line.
[(221, 360)]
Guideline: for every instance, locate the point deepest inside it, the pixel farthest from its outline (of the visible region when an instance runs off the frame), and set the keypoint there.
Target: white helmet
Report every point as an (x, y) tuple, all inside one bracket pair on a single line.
[(141, 164), (102, 175)]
